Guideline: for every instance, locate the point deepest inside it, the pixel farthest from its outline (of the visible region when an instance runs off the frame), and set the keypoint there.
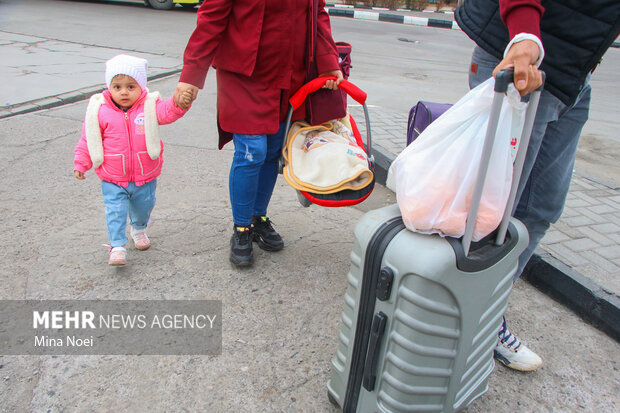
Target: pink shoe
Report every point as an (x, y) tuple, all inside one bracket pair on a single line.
[(140, 239), (118, 256)]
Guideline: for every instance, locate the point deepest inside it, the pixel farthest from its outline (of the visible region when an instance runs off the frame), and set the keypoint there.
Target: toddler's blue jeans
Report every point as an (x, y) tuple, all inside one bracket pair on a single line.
[(549, 159), (135, 201), (253, 174)]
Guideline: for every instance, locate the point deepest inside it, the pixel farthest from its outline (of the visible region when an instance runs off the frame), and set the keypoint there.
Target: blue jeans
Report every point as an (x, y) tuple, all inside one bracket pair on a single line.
[(550, 156), (253, 174), (135, 201)]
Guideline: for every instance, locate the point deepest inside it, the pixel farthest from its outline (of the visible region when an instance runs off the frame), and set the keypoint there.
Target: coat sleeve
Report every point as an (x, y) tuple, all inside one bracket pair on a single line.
[(167, 112), (326, 53), (212, 20), (81, 161), (522, 16)]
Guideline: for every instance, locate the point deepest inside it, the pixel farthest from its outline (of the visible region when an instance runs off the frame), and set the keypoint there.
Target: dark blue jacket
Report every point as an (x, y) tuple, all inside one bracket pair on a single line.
[(575, 34)]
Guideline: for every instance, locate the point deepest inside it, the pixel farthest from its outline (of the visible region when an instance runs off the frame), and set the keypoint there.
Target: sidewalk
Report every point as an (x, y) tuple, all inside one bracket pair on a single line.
[(47, 73)]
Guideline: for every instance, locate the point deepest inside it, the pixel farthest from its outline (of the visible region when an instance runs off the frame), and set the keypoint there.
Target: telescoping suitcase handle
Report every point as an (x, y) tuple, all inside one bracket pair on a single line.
[(349, 88), (502, 80)]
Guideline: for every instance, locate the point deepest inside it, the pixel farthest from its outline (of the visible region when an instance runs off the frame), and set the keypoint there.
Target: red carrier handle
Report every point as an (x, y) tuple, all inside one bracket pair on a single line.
[(350, 89), (312, 86)]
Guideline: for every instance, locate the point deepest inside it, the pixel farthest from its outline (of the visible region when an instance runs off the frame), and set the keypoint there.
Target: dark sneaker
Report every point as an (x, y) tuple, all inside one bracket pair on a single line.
[(264, 234), (241, 247)]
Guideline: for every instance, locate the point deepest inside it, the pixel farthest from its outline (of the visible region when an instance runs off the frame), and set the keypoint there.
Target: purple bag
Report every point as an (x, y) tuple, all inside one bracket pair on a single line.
[(422, 115)]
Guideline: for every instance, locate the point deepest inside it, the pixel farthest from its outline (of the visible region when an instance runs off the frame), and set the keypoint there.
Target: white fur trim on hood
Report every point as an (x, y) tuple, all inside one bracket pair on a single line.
[(151, 125), (94, 140)]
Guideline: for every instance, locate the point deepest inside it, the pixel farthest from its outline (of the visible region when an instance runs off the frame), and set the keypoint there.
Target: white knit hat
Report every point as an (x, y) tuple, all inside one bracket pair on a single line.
[(123, 64)]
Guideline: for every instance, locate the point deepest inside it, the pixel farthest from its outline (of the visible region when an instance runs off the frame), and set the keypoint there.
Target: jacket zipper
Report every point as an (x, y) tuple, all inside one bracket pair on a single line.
[(130, 147)]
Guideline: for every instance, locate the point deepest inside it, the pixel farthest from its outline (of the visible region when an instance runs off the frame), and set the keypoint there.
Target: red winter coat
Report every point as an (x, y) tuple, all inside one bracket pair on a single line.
[(521, 16), (261, 50)]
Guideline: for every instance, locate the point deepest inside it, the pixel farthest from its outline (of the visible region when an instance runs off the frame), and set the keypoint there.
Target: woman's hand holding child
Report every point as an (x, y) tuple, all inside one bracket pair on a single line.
[(184, 95)]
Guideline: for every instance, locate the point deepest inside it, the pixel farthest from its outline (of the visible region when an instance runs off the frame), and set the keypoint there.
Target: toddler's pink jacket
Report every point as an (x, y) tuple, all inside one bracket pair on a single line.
[(125, 156)]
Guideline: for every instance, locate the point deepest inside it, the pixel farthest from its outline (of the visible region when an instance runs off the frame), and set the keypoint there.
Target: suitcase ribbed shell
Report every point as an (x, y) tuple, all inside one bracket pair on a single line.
[(442, 323)]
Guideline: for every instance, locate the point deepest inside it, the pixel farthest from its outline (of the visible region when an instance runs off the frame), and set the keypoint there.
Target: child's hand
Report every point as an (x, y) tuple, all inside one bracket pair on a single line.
[(181, 94), (79, 175), (186, 99)]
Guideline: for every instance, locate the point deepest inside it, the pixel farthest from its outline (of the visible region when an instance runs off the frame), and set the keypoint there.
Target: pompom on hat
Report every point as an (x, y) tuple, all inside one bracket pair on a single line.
[(126, 65)]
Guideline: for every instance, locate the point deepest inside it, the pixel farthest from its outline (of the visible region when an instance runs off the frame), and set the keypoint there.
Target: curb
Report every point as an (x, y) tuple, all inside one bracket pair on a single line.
[(64, 98), (551, 276), (391, 18), (580, 294)]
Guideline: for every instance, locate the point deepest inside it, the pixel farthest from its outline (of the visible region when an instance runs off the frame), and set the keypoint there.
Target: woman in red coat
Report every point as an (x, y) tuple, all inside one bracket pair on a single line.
[(261, 50)]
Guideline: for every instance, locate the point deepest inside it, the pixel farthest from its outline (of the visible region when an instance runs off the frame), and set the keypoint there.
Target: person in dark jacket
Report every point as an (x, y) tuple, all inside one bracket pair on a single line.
[(575, 35), (262, 51)]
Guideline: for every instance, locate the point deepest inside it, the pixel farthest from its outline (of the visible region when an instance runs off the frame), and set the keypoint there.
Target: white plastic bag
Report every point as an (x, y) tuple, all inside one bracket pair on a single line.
[(434, 177)]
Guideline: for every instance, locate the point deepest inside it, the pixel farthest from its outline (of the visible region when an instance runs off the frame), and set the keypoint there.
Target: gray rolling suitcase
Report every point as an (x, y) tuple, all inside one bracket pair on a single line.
[(422, 312)]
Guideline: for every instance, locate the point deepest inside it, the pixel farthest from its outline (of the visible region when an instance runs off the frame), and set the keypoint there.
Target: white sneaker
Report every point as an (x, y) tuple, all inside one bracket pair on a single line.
[(118, 256), (140, 240), (511, 352)]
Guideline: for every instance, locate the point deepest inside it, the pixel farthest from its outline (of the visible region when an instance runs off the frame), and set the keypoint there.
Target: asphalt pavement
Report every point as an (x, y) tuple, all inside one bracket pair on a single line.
[(281, 317)]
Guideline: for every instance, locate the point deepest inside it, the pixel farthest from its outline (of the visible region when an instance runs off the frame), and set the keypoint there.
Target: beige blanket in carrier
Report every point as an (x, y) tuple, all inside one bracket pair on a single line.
[(325, 159)]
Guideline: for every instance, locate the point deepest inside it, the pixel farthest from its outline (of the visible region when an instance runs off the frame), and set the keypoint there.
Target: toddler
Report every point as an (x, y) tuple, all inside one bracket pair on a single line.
[(120, 139)]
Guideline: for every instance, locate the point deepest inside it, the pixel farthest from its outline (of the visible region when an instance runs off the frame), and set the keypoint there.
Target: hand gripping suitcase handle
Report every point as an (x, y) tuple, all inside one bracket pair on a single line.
[(506, 76), (503, 79)]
